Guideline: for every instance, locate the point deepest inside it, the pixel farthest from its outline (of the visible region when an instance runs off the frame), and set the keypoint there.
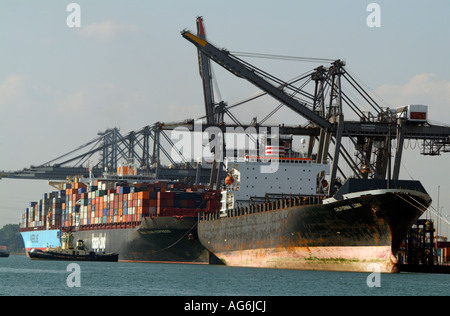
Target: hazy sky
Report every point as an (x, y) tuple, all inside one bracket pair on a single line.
[(127, 66)]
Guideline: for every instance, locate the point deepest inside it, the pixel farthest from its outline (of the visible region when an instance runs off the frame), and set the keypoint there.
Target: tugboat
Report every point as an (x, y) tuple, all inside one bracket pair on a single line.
[(68, 252), (3, 252)]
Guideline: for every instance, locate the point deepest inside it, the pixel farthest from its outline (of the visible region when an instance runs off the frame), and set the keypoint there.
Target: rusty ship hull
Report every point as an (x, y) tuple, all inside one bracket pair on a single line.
[(347, 234)]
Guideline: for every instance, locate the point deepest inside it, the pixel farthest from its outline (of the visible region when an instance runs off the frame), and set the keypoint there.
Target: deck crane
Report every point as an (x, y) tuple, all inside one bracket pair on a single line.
[(372, 135)]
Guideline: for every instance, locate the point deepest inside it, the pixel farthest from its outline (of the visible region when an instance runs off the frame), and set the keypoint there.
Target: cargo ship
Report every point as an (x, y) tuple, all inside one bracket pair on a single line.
[(153, 221), (283, 218)]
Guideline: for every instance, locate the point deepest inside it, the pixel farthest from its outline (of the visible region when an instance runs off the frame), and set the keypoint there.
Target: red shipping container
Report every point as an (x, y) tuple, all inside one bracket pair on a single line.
[(165, 203), (144, 211), (166, 195)]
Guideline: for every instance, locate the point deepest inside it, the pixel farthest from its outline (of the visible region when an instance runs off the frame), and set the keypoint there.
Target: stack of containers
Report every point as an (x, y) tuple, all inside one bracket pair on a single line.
[(180, 203), (105, 202), (44, 213)]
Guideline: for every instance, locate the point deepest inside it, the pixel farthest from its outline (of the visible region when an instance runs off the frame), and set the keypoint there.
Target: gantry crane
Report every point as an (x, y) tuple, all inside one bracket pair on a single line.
[(372, 135)]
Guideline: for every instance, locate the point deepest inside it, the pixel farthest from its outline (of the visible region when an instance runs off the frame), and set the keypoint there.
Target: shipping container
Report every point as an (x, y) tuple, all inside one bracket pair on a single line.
[(104, 203)]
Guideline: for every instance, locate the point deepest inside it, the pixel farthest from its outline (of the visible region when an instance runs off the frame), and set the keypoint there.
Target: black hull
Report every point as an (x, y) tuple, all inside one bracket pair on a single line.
[(419, 268), (51, 255), (161, 239), (4, 255), (351, 234)]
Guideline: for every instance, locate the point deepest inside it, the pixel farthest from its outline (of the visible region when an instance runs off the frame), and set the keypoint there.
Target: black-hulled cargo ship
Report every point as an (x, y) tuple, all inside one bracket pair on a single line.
[(314, 228), (154, 221), (360, 228)]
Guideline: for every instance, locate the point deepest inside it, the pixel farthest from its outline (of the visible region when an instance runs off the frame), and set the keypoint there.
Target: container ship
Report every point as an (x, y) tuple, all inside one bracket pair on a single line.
[(152, 221), (283, 219)]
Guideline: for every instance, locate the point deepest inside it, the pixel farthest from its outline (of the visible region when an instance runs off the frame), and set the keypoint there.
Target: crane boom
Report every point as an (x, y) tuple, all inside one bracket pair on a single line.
[(226, 60), (371, 135), (205, 73)]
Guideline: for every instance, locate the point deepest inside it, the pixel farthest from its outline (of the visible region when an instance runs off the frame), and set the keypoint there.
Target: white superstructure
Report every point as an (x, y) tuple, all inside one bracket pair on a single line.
[(257, 176)]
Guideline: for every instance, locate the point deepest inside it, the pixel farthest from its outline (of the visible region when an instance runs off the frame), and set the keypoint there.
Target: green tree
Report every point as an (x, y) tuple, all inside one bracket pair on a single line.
[(10, 237)]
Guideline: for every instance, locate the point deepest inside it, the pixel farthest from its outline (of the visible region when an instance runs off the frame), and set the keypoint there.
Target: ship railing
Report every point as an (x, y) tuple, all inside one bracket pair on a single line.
[(278, 204)]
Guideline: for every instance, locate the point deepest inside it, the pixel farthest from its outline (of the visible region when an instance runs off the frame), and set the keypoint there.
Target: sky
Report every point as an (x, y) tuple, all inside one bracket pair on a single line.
[(127, 66)]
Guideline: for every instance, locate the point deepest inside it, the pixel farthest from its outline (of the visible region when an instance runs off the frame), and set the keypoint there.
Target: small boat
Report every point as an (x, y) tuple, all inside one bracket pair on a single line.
[(3, 252), (68, 252)]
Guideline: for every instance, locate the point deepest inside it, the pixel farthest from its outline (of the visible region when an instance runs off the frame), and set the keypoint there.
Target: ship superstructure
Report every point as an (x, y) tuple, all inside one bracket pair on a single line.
[(281, 172)]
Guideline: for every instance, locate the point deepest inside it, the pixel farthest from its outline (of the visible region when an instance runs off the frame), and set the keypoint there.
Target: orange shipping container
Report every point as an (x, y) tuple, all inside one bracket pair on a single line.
[(144, 195)]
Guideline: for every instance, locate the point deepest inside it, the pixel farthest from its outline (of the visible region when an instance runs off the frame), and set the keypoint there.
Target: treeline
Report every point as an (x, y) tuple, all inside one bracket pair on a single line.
[(10, 237)]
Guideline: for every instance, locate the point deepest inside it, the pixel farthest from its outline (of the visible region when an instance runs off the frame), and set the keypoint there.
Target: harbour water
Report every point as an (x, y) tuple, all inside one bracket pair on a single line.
[(21, 276)]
